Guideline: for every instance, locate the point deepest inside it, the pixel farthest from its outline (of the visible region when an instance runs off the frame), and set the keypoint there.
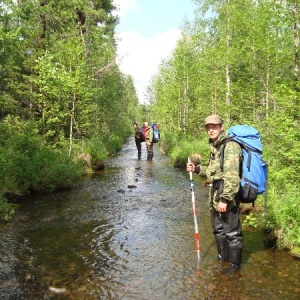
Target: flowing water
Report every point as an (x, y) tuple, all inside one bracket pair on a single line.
[(128, 233)]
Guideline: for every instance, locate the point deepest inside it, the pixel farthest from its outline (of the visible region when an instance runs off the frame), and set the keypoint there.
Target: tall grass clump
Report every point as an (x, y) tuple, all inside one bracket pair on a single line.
[(96, 148), (44, 170), (198, 150), (285, 216), (7, 210), (113, 144)]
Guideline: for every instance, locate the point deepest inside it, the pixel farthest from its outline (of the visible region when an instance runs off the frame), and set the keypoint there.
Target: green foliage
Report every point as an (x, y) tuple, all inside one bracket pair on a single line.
[(26, 165), (53, 170), (296, 251), (96, 149), (285, 216), (63, 86), (43, 170), (184, 149), (60, 77), (250, 220), (61, 93), (7, 210), (113, 144)]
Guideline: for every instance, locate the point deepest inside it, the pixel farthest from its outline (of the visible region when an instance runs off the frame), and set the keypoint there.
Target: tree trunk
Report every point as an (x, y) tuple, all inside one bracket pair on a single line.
[(228, 79), (296, 58), (71, 125)]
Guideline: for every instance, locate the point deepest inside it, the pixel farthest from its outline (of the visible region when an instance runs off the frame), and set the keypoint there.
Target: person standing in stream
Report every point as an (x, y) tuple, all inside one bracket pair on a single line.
[(224, 202), (138, 137), (149, 141)]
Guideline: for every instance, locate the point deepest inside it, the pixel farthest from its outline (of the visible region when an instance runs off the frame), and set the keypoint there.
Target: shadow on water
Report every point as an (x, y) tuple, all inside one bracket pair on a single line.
[(128, 233)]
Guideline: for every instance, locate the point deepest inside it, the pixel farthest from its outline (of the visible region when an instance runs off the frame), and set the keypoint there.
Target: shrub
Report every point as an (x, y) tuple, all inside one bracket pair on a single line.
[(286, 215), (96, 149), (180, 153), (7, 210), (26, 165), (113, 144), (54, 171)]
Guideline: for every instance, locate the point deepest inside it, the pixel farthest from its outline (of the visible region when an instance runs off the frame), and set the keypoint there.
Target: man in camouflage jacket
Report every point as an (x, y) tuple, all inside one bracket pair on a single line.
[(149, 141), (225, 184)]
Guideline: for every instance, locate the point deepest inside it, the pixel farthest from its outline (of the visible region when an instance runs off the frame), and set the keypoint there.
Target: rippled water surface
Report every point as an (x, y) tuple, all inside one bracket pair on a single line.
[(128, 233)]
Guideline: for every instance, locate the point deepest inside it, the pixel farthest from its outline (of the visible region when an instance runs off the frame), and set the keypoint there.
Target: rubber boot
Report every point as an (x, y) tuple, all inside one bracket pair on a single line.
[(223, 248), (148, 156), (139, 154), (235, 258)]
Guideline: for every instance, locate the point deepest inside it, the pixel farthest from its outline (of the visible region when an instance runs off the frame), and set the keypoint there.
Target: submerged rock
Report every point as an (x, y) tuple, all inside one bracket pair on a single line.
[(57, 290), (132, 186)]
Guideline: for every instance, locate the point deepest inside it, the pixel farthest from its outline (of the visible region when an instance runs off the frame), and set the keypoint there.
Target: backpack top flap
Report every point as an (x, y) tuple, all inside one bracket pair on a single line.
[(246, 135)]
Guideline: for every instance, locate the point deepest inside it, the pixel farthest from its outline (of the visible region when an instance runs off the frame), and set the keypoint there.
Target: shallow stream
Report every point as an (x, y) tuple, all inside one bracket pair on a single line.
[(128, 233)]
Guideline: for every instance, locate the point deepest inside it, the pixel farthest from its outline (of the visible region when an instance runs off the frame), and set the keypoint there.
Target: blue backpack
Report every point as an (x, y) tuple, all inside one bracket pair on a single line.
[(156, 133), (253, 170)]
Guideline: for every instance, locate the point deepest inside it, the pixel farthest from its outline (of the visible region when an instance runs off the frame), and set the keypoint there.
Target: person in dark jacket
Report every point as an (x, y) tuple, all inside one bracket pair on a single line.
[(138, 137), (224, 200)]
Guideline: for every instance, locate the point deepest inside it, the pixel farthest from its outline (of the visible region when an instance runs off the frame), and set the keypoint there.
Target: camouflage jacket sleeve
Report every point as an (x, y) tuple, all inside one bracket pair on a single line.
[(149, 134)]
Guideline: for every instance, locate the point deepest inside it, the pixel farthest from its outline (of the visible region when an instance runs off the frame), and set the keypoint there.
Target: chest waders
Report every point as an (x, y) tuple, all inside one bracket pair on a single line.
[(227, 230), (139, 147), (220, 237), (149, 143)]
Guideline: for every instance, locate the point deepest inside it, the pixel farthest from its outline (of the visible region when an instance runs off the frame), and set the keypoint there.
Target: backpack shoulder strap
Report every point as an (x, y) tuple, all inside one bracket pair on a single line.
[(222, 150)]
